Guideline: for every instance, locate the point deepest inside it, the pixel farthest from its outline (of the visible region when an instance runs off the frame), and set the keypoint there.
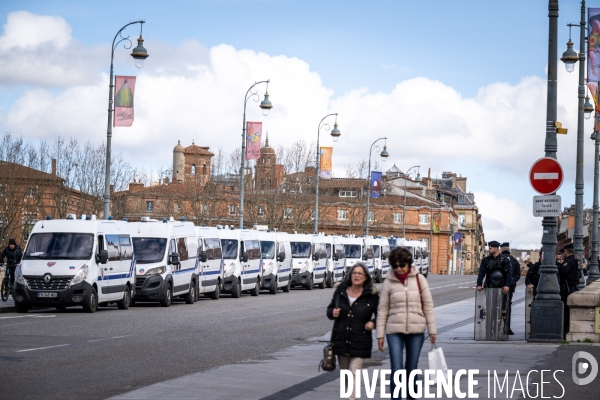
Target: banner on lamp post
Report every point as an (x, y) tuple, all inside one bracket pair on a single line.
[(458, 239), (593, 87), (253, 136), (325, 162), (436, 222), (593, 45), (375, 184), (124, 91)]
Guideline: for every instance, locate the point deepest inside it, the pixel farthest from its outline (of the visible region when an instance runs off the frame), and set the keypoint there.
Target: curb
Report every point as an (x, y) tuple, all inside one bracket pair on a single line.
[(7, 310)]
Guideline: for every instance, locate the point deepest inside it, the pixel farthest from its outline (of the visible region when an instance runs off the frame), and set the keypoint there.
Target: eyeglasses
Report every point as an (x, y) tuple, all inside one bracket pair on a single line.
[(398, 265), (357, 274)]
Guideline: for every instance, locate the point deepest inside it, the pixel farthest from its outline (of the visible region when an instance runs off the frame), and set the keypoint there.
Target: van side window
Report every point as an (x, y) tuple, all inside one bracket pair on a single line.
[(256, 249), (182, 249), (217, 248), (126, 247), (209, 248), (112, 246), (249, 246), (172, 247), (192, 246)]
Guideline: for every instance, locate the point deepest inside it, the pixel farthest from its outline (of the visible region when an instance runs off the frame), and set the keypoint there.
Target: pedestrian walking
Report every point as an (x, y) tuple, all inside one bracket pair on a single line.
[(516, 275), (405, 310), (357, 300)]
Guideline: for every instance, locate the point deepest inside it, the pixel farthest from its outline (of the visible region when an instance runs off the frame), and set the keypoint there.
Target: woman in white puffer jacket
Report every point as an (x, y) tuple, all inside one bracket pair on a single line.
[(405, 310)]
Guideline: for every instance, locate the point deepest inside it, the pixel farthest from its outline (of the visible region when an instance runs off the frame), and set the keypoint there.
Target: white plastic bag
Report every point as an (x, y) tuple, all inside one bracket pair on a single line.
[(437, 360)]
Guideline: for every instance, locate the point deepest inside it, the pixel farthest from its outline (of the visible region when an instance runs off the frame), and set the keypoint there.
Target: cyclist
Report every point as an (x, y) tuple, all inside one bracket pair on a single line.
[(13, 254)]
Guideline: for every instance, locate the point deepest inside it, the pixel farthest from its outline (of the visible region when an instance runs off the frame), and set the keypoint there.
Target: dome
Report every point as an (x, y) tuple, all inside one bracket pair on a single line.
[(267, 150), (179, 148)]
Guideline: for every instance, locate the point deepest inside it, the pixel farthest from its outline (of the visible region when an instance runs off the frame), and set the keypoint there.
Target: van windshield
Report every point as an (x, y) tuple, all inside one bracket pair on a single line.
[(149, 250), (352, 250), (376, 251), (229, 248), (267, 250), (66, 246), (328, 248), (300, 249)]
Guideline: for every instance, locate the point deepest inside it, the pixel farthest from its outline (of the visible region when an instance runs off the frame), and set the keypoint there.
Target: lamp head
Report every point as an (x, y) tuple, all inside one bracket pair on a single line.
[(335, 132), (588, 108), (139, 53), (569, 57), (384, 154), (418, 178), (266, 105)]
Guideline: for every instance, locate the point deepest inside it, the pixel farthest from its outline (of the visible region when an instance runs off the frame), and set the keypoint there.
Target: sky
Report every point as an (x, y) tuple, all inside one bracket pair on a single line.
[(455, 86)]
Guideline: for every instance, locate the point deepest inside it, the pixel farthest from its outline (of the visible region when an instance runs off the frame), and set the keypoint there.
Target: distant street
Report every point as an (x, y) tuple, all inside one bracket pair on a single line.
[(69, 354)]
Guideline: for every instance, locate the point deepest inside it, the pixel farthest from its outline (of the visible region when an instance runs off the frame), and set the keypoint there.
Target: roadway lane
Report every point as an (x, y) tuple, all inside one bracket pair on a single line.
[(69, 354)]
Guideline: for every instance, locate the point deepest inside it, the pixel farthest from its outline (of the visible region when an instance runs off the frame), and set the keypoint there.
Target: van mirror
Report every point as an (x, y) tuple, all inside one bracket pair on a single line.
[(281, 256), (244, 257), (102, 257), (336, 257), (174, 258), (365, 257), (203, 256), (316, 256), (386, 255)]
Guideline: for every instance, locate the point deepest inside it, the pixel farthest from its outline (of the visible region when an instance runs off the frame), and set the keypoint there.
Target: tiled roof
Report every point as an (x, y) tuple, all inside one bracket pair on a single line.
[(23, 172), (193, 149), (343, 183)]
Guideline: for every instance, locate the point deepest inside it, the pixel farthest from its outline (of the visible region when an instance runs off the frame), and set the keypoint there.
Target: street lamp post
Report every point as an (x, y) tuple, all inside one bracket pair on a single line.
[(547, 309), (384, 154), (418, 179), (593, 273), (139, 54), (335, 134), (570, 58), (266, 106)]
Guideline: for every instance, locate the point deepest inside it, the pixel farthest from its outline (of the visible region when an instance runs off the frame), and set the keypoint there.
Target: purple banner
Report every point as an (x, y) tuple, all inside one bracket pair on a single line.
[(375, 184), (593, 45)]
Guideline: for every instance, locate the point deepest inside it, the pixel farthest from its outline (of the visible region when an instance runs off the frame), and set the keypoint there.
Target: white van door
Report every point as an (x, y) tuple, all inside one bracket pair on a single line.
[(102, 274), (113, 270), (181, 281), (214, 263)]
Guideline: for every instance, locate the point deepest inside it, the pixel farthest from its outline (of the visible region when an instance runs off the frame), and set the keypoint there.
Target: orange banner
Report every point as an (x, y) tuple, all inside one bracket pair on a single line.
[(325, 164)]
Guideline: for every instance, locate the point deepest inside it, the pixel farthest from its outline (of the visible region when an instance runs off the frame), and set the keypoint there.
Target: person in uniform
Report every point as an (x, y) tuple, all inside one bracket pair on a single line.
[(568, 272), (497, 272), (516, 275), (533, 275)]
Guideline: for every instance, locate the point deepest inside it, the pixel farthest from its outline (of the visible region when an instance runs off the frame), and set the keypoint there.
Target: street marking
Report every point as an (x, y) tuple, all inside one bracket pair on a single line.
[(29, 316), (100, 340), (42, 348)]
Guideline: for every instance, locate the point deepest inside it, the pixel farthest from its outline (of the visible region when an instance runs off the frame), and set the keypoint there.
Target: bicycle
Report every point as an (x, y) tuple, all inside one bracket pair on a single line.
[(6, 287)]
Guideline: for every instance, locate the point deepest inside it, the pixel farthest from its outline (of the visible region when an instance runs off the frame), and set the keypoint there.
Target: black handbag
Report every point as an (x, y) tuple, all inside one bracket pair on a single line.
[(328, 362)]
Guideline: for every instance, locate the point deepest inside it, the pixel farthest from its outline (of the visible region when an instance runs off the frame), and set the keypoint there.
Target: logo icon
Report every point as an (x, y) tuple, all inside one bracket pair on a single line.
[(50, 264), (142, 270), (47, 279), (580, 368), (71, 267)]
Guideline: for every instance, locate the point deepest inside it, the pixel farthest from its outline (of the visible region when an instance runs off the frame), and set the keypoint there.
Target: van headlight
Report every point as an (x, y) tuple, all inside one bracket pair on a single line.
[(230, 269), (79, 276), (155, 271), (268, 269), (304, 268), (19, 276)]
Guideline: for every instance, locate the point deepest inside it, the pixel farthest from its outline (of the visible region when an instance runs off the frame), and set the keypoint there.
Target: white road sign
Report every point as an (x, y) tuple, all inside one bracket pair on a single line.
[(546, 206)]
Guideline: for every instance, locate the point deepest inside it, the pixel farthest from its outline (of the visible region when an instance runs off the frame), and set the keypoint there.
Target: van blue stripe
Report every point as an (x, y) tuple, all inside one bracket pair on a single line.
[(212, 273), (251, 271)]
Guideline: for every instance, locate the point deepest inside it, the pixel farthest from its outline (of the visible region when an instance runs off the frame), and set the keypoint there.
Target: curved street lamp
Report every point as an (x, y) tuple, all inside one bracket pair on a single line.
[(139, 54), (266, 106), (384, 154), (417, 179), (335, 134)]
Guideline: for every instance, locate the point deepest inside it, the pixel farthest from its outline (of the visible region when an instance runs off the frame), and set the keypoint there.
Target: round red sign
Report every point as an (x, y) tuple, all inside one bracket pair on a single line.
[(546, 175)]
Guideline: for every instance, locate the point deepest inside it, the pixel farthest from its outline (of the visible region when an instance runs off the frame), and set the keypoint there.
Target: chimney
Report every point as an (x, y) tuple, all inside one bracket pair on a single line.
[(54, 166), (112, 188)]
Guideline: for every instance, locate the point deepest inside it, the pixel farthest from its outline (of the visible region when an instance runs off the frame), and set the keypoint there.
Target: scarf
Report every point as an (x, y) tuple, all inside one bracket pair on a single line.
[(402, 277)]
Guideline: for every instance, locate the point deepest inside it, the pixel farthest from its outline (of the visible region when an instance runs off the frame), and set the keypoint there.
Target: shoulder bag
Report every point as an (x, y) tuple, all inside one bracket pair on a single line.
[(328, 361)]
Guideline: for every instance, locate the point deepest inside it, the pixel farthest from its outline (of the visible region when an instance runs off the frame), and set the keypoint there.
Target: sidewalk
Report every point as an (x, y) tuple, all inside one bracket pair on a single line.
[(292, 373)]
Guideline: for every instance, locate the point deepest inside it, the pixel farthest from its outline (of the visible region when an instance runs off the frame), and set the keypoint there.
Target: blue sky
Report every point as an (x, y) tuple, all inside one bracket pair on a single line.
[(455, 85)]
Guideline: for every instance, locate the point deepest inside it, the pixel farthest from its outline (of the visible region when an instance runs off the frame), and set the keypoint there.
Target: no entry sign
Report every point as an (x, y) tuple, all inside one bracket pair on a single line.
[(546, 175)]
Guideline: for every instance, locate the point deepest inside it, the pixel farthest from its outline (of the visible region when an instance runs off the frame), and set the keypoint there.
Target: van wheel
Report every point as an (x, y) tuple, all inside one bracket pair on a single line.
[(329, 280), (20, 308), (237, 292), (217, 293), (274, 287), (166, 301), (287, 287), (190, 296), (256, 290), (310, 285), (322, 284), (124, 303), (91, 305)]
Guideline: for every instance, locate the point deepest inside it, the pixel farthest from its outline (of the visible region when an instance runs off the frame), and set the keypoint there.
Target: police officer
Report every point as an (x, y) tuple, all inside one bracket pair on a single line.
[(495, 269), (533, 275), (516, 275), (568, 273)]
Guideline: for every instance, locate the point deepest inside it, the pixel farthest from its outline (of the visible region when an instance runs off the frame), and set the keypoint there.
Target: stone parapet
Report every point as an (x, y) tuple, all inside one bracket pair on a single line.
[(582, 310)]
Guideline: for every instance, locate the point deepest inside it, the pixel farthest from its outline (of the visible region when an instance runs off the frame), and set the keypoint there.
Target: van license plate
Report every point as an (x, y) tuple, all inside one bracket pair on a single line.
[(47, 294)]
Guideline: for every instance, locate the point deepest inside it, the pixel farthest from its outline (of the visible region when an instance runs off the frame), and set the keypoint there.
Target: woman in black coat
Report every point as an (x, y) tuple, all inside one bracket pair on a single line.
[(356, 312)]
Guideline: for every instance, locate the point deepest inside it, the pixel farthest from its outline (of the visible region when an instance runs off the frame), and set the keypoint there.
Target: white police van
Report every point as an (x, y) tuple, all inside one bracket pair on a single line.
[(334, 260), (270, 266), (354, 251), (284, 261), (308, 260), (418, 249), (210, 267), (167, 255), (76, 262), (241, 261), (380, 250)]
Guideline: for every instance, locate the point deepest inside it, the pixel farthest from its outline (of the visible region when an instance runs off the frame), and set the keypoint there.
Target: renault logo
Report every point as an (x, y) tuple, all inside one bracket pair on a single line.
[(47, 279)]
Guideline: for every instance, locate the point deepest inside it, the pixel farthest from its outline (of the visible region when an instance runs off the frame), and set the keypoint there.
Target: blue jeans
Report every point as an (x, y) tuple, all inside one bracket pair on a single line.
[(396, 343)]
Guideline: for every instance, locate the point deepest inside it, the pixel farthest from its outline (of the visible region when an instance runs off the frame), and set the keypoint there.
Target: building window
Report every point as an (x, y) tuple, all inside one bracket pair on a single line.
[(287, 213), (150, 206), (347, 193), (397, 218), (204, 209), (371, 216), (1, 190), (261, 211), (204, 169), (342, 214), (193, 169), (461, 219), (461, 199), (177, 207), (232, 209), (30, 192), (312, 214), (423, 219), (29, 221)]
